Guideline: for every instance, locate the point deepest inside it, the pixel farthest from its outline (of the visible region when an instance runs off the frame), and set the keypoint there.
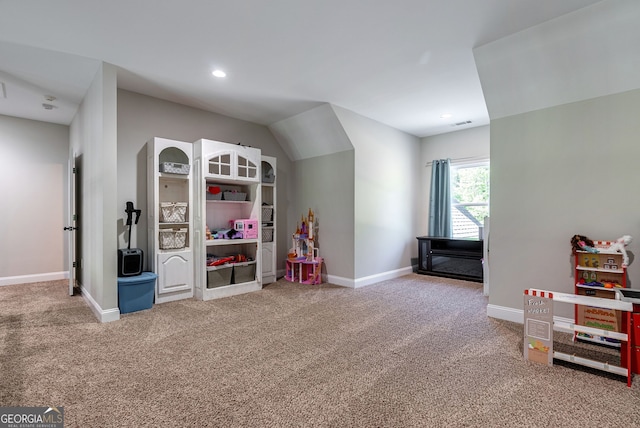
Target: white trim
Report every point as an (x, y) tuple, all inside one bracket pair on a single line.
[(368, 280), (517, 315), (339, 280), (504, 313), (469, 162), (38, 277), (101, 314)]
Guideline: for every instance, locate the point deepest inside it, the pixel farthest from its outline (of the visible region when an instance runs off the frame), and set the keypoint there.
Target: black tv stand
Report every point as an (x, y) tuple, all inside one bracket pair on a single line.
[(450, 257)]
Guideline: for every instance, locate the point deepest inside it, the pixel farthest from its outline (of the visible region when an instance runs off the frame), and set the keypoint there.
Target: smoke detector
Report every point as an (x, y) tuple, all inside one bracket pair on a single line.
[(49, 98)]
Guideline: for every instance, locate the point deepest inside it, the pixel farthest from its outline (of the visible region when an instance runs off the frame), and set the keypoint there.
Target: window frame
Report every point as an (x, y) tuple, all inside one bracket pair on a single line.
[(463, 164)]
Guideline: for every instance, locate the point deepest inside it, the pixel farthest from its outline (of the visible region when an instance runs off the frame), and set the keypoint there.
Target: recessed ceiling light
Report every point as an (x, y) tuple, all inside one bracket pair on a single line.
[(219, 73), (446, 116)]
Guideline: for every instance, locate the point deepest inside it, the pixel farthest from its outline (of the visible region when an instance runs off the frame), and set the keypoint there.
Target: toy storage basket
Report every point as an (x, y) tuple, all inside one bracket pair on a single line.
[(234, 196), (173, 212), (243, 272), (172, 239), (218, 276), (267, 234)]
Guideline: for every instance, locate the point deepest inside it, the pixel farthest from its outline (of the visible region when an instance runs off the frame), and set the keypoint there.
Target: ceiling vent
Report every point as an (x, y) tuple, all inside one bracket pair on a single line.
[(48, 106), (466, 122)]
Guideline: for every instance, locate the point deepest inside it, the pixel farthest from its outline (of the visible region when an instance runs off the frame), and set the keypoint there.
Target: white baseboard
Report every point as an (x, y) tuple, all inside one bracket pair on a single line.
[(515, 315), (368, 280), (38, 277), (102, 315)]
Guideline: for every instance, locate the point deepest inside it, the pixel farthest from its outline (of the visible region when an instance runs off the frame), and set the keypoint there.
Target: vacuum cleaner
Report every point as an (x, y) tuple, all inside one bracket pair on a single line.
[(130, 259)]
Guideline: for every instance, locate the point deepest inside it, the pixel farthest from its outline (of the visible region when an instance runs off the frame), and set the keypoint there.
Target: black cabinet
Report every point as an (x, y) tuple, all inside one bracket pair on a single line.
[(451, 258)]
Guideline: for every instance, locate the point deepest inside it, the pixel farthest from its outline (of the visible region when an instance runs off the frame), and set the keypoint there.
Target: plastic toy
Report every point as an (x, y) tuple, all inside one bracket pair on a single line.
[(227, 234), (582, 243), (619, 245)]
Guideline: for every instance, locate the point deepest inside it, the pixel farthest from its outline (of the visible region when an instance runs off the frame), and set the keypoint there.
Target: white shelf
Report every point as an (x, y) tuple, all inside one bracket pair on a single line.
[(598, 341), (230, 290), (232, 168), (590, 301), (171, 176), (601, 251), (220, 242), (591, 363), (572, 327), (174, 266), (216, 201), (591, 269)]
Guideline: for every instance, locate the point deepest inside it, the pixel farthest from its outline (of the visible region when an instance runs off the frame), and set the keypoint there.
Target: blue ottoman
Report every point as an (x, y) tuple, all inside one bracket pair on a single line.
[(135, 293)]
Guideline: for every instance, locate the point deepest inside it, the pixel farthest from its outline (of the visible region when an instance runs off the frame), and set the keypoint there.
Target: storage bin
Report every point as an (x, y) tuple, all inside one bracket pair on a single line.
[(174, 168), (171, 239), (173, 212), (135, 293), (267, 234), (267, 214), (234, 196), (214, 193), (218, 276), (243, 272)]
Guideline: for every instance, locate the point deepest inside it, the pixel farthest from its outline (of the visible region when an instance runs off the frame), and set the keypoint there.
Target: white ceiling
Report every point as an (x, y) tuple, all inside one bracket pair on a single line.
[(402, 63)]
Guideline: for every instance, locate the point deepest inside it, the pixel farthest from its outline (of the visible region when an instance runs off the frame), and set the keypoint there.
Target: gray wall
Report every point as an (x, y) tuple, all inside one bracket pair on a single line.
[(34, 187), (93, 139), (141, 118), (387, 164), (556, 172), (326, 185)]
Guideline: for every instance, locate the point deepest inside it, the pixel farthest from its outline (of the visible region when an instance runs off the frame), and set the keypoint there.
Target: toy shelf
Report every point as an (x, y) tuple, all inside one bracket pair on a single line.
[(615, 304)]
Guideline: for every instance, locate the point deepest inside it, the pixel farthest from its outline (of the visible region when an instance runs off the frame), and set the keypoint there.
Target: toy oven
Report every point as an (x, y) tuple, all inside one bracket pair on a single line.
[(248, 227)]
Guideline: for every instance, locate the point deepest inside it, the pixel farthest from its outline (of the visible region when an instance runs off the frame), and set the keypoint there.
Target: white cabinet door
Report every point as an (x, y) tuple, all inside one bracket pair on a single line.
[(267, 260), (175, 272), (221, 165)]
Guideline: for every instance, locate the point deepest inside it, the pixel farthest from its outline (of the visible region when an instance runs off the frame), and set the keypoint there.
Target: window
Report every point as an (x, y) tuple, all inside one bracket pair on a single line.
[(469, 199)]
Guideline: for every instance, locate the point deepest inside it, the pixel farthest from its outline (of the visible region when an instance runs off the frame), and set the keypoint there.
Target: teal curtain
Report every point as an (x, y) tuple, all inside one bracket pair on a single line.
[(440, 199)]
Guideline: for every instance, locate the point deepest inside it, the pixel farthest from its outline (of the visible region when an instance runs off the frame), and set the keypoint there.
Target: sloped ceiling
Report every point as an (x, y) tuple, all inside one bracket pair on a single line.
[(400, 63), (316, 132), (589, 53)]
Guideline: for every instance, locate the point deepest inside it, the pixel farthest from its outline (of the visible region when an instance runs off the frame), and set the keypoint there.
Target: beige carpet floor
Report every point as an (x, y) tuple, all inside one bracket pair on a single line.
[(417, 351)]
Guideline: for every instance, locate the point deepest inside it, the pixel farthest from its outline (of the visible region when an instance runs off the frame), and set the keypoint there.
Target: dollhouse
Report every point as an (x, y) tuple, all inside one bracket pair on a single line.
[(304, 264)]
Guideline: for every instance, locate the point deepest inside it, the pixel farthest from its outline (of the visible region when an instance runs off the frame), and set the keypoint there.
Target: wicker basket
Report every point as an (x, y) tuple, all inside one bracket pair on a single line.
[(267, 234), (173, 212), (172, 239)]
